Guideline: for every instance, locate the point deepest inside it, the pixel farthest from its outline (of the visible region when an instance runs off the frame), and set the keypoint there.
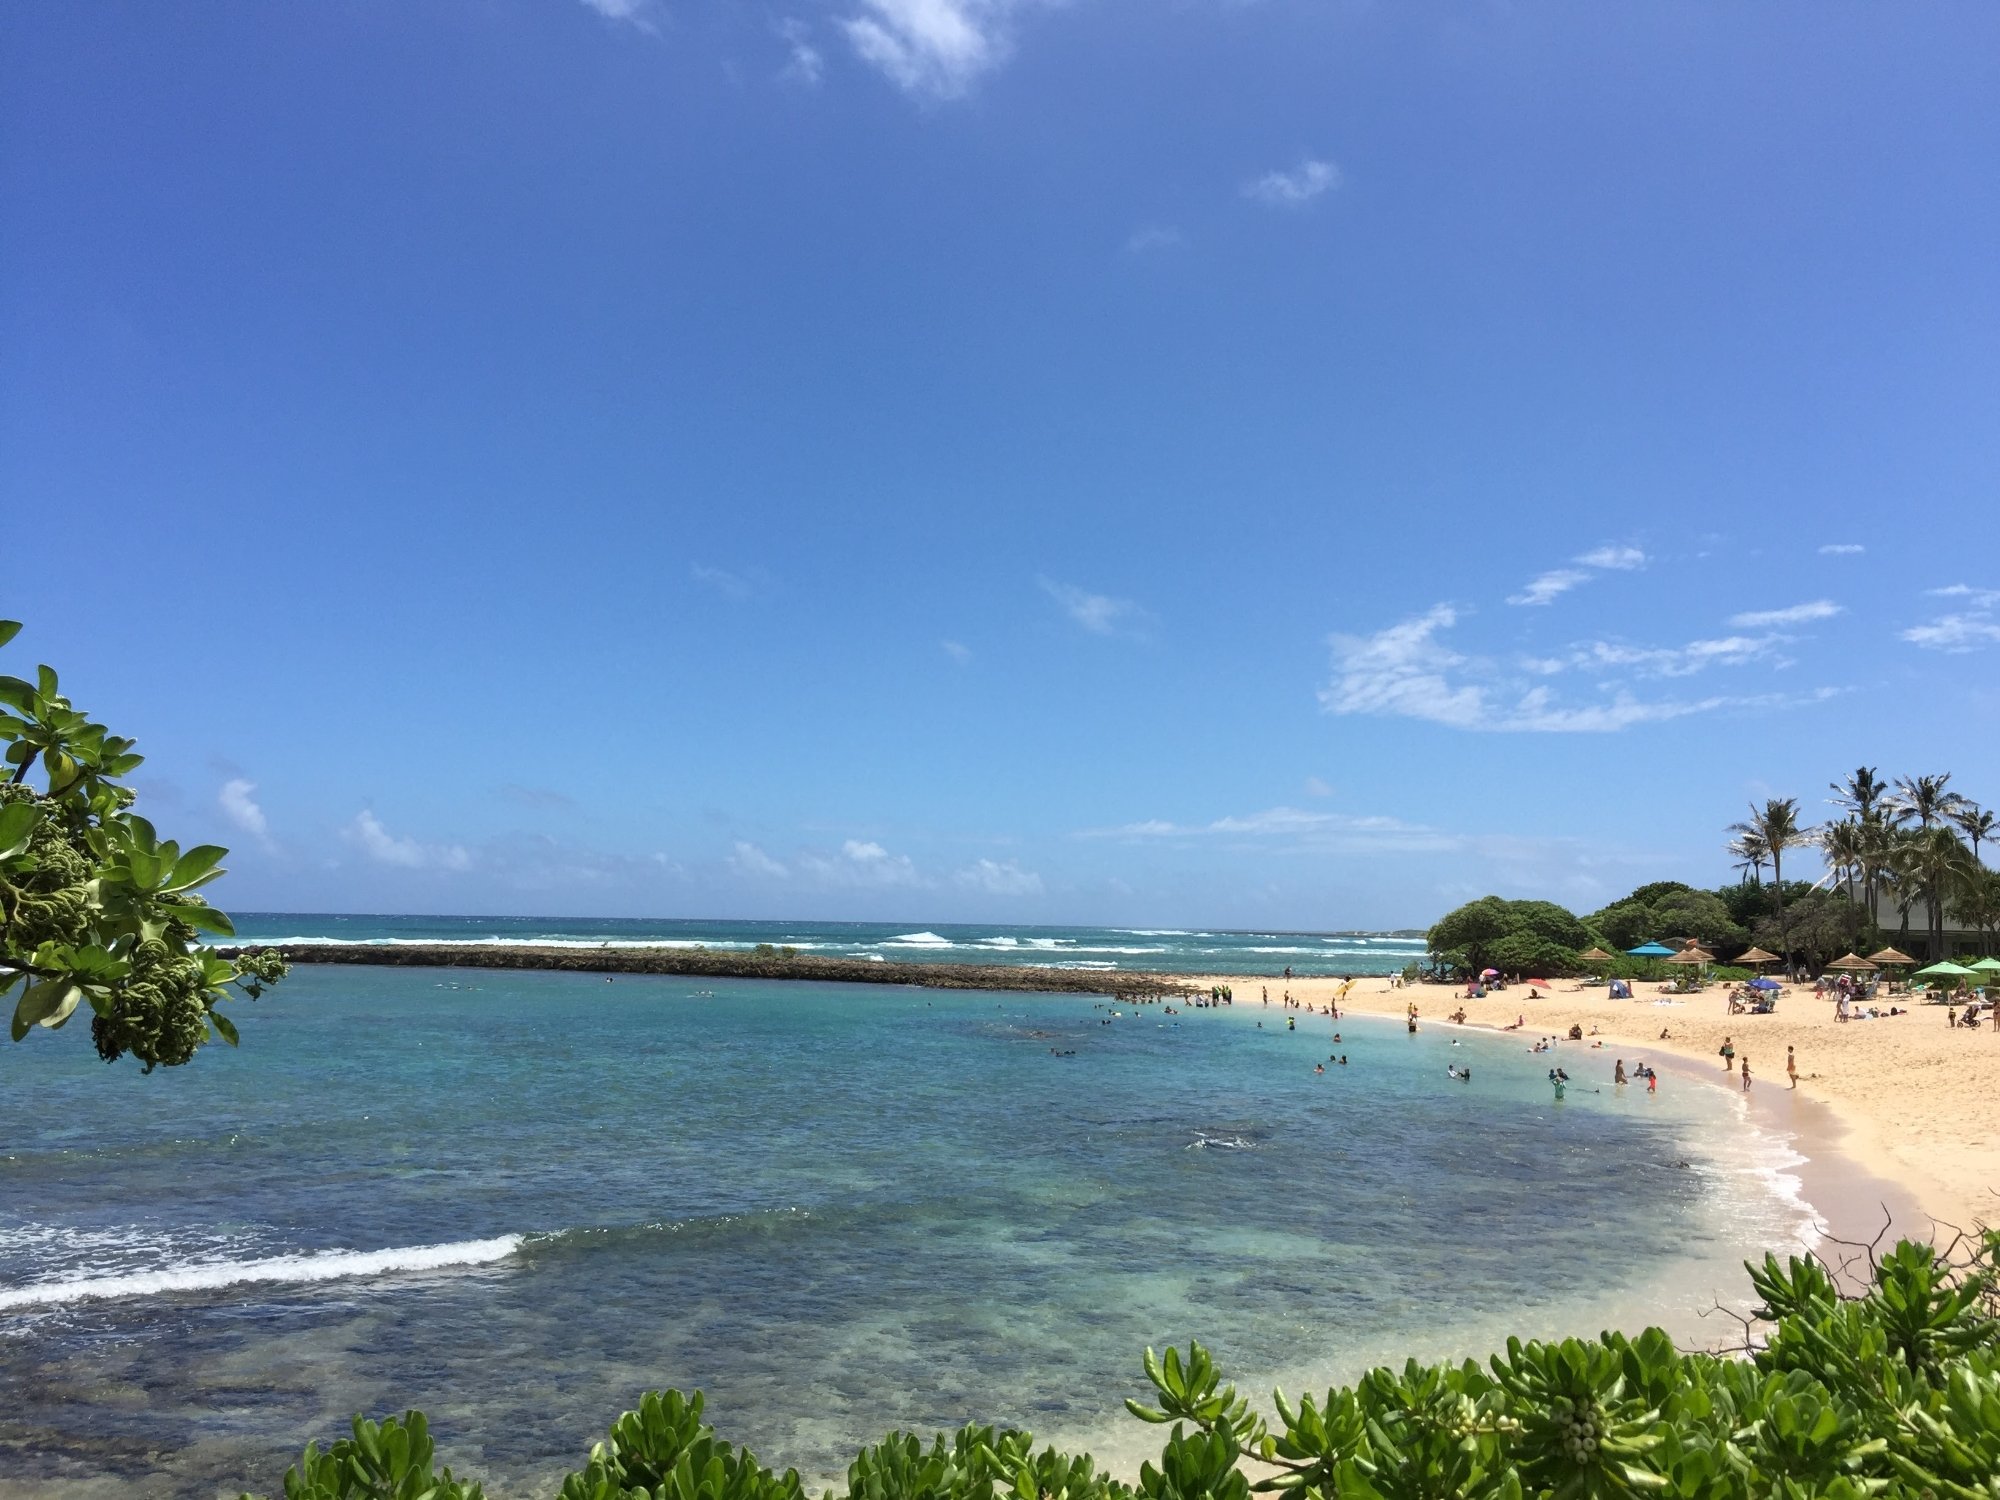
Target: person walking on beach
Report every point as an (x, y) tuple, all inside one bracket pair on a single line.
[(1792, 1067), (1746, 1074), (1728, 1053)]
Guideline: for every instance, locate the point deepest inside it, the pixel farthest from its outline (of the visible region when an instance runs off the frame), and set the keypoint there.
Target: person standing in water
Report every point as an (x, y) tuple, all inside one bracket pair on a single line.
[(1792, 1067), (1728, 1053), (1745, 1066), (1618, 1073)]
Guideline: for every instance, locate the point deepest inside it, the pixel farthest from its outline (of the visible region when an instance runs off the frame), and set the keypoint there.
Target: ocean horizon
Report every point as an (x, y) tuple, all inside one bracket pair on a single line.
[(1166, 950)]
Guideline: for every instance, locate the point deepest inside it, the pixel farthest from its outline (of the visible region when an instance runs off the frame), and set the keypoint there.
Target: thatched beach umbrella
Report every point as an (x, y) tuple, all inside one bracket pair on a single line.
[(1889, 958), (1692, 954), (1852, 961), (1755, 958), (1594, 956)]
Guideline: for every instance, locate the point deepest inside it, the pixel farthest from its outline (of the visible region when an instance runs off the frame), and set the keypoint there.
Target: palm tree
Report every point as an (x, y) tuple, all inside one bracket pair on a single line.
[(1845, 844), (1940, 869), (1977, 824), (1860, 793), (1923, 800), (1777, 825), (1864, 796), (1978, 905), (1749, 852)]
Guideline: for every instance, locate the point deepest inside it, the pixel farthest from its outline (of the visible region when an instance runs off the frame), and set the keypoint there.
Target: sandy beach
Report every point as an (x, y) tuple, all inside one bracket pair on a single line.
[(1906, 1099)]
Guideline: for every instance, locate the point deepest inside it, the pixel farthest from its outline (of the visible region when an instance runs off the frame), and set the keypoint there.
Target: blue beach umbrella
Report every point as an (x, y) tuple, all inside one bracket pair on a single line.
[(1764, 984), (1651, 950)]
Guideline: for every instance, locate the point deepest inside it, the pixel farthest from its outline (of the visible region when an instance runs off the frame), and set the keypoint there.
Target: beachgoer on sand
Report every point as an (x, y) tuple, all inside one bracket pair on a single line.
[(1728, 1053), (1792, 1067), (1745, 1066)]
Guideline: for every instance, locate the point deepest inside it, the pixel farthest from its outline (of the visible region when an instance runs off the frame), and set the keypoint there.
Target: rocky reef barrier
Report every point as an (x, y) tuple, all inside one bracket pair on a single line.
[(708, 963)]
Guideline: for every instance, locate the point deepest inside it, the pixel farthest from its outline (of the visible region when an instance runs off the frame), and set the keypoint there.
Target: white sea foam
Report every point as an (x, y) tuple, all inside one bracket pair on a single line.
[(327, 1266), (921, 940)]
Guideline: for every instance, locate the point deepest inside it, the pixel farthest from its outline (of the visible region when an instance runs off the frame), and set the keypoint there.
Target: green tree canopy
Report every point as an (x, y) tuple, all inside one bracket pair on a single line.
[(1666, 909), (1520, 936), (95, 908)]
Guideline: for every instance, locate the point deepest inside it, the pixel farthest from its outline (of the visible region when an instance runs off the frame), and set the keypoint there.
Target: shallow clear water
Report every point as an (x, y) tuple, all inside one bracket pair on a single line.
[(837, 1208), (1165, 950)]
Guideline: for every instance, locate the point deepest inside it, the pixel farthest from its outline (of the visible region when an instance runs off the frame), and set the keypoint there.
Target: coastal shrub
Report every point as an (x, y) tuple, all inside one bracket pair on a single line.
[(1514, 936), (95, 908), (1893, 1392)]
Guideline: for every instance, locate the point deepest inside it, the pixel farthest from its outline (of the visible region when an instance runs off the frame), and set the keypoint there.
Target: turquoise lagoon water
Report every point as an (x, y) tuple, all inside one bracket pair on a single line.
[(518, 1200), (1167, 950)]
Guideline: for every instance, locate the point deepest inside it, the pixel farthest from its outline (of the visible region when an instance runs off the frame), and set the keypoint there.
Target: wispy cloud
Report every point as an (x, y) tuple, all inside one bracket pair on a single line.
[(1406, 671), (1793, 614), (747, 859), (239, 805), (735, 587), (958, 651), (1317, 788), (1970, 628), (1100, 614), (1154, 237), (1553, 584), (1295, 188), (1348, 832), (804, 62), (861, 862), (1549, 587), (999, 878), (643, 14), (542, 798), (934, 49), (405, 853), (1842, 549)]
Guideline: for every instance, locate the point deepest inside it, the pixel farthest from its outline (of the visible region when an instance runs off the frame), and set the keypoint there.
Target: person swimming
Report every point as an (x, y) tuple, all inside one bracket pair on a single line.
[(1463, 1075)]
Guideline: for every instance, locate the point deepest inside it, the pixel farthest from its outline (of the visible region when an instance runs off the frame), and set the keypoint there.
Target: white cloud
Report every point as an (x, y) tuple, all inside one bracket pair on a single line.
[(1620, 559), (747, 859), (1317, 788), (640, 13), (999, 878), (1405, 671), (1842, 549), (1098, 613), (240, 807), (957, 651), (803, 61), (1154, 237), (1549, 587), (861, 862), (1966, 629), (386, 848), (1324, 831), (935, 49), (732, 586), (1795, 614), (1295, 188)]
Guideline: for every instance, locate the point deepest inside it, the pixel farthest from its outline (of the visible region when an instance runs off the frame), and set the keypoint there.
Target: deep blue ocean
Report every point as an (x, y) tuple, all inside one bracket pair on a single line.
[(517, 1200), (1165, 950)]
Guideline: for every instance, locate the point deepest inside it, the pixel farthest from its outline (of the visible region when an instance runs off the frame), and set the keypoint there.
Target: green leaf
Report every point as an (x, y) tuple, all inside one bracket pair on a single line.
[(47, 1002), (17, 695), (203, 919), (46, 676), (17, 826), (8, 630), (196, 867), (224, 1027)]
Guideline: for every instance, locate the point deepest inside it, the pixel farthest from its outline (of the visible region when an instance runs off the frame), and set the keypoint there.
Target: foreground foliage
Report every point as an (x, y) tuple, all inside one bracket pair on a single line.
[(1893, 1393), (95, 908)]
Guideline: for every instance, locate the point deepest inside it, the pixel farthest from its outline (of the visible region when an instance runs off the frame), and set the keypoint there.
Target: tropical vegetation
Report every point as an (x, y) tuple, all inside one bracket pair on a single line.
[(1891, 1392), (96, 909), (1914, 847)]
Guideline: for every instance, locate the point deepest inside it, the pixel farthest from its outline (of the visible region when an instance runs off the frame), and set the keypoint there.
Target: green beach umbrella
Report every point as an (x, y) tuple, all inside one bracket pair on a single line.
[(1944, 967), (1991, 965)]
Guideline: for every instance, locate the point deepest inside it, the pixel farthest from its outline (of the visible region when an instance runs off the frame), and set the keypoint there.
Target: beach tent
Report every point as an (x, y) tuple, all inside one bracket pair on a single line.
[(1756, 958), (1944, 968), (1651, 950), (1889, 958), (1765, 984), (1851, 961), (1621, 989)]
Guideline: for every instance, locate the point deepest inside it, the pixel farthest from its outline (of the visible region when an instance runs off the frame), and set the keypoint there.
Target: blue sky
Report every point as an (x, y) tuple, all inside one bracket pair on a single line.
[(1228, 461)]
